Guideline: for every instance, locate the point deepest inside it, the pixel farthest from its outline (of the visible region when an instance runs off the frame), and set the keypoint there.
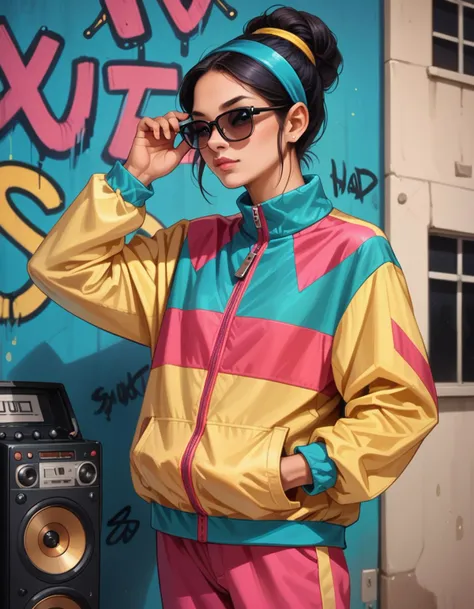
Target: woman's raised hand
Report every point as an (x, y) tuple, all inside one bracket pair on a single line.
[(153, 154)]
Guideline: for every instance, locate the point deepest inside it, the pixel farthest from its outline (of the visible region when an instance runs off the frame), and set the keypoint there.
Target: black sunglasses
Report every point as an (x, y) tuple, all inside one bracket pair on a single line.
[(234, 126)]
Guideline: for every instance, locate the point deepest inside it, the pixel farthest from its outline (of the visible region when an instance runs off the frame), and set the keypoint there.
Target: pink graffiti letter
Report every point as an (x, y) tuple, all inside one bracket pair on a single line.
[(186, 19), (126, 18), (24, 93), (135, 81)]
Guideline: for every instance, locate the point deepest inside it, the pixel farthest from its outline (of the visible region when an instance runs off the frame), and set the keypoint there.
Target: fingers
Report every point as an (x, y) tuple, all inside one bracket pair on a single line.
[(174, 122), (173, 119), (148, 124), (167, 125), (179, 115)]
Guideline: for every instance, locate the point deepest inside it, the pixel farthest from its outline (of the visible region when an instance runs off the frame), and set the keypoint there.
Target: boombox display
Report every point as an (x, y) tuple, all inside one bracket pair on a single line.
[(50, 502)]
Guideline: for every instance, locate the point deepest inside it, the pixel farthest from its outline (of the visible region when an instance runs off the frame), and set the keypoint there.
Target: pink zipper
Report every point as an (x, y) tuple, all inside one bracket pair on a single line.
[(245, 274)]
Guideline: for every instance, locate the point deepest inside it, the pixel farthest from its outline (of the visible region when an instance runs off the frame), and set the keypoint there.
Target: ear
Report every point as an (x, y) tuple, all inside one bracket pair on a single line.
[(296, 123)]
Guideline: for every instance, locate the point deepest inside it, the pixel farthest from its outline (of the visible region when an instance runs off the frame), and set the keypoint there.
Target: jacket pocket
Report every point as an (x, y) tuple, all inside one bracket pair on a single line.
[(236, 472), (156, 459)]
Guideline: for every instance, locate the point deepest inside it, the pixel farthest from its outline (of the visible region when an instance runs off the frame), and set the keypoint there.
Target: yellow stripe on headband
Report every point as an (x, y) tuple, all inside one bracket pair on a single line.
[(296, 40)]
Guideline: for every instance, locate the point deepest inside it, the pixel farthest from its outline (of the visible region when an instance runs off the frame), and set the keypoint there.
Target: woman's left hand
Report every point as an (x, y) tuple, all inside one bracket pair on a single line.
[(294, 471)]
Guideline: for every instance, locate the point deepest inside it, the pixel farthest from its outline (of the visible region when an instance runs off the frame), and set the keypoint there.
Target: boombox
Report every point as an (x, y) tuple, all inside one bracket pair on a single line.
[(50, 502)]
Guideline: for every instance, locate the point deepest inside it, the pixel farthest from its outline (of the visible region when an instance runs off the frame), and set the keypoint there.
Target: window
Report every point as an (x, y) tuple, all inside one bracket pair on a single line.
[(453, 35), (451, 310)]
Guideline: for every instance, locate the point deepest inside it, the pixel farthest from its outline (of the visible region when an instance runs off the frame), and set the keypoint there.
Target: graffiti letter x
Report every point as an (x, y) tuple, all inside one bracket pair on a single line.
[(24, 76)]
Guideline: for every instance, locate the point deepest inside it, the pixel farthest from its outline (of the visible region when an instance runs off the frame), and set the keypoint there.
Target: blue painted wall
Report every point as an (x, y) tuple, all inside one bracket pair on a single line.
[(57, 63)]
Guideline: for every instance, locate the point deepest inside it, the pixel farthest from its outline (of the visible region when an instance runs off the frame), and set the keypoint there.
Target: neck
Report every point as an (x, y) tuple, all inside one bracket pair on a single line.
[(275, 182)]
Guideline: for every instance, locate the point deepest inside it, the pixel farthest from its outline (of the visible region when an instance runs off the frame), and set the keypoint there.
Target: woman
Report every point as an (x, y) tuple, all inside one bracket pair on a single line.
[(289, 380)]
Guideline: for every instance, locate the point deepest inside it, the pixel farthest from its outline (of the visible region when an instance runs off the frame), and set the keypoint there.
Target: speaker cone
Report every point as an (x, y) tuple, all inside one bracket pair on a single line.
[(60, 597), (55, 542), (57, 601)]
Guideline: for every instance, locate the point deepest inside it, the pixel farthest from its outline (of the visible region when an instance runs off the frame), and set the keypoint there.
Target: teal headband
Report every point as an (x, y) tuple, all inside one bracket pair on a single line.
[(273, 61)]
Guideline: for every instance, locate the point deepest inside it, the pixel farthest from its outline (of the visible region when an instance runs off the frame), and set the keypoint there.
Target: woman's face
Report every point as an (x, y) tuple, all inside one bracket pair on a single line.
[(255, 158)]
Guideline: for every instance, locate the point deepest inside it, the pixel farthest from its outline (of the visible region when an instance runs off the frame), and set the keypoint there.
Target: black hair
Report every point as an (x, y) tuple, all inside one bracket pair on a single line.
[(316, 79)]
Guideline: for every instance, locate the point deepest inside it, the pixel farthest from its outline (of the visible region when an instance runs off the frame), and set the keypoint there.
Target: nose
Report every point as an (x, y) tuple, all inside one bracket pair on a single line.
[(216, 141)]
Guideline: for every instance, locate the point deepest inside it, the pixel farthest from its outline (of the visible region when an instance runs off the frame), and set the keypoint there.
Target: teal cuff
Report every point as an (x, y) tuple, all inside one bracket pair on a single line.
[(132, 190), (321, 465)]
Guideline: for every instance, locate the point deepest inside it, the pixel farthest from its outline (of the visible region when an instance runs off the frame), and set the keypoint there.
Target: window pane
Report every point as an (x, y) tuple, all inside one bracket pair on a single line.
[(443, 254), (468, 257), (443, 330), (445, 17), (469, 60), (469, 24), (468, 332), (445, 54)]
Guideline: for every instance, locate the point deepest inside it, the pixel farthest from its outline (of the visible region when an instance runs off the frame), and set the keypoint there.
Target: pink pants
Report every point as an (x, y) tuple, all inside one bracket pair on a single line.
[(194, 575)]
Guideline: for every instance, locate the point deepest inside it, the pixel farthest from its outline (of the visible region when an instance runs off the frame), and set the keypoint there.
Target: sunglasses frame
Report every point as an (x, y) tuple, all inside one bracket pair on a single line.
[(211, 124)]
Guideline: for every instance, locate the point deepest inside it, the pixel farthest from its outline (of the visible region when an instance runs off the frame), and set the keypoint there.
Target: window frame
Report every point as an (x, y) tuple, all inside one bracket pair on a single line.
[(458, 388), (461, 42)]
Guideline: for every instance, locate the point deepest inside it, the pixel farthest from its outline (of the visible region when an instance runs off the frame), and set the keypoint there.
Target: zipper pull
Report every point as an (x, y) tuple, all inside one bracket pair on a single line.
[(246, 264), (256, 216)]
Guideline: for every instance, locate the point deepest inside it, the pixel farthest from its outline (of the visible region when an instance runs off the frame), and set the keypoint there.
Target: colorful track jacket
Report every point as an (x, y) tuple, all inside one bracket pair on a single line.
[(285, 328)]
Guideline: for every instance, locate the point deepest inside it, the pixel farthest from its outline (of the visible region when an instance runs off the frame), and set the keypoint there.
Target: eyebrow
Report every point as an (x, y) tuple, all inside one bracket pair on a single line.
[(225, 105)]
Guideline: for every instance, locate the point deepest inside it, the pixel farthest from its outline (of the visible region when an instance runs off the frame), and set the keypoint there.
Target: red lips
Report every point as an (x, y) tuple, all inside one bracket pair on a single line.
[(222, 160)]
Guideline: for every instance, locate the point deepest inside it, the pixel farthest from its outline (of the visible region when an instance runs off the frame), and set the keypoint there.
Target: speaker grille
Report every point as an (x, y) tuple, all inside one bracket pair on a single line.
[(57, 601), (54, 540)]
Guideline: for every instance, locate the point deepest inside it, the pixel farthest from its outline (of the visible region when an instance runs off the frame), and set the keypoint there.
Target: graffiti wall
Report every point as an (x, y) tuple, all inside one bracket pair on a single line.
[(74, 79)]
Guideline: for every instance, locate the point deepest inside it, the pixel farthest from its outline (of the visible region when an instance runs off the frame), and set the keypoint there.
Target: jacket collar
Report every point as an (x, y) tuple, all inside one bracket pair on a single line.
[(288, 213)]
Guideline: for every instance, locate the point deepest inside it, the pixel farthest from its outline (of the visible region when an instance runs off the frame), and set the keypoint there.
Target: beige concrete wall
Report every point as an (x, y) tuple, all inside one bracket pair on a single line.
[(428, 520), (428, 515)]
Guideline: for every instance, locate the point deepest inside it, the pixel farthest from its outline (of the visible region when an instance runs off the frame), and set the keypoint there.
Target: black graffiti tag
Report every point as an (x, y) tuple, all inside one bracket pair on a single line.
[(355, 186), (124, 528), (123, 393)]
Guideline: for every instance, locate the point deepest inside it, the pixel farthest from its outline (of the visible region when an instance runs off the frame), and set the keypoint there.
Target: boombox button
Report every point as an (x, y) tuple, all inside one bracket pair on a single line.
[(92, 496), (53, 434), (18, 436), (20, 498), (3, 435), (93, 453), (36, 435), (22, 592), (18, 456), (30, 455)]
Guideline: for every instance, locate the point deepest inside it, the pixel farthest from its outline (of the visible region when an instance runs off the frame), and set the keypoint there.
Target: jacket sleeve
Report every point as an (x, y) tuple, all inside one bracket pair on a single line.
[(84, 265), (381, 370)]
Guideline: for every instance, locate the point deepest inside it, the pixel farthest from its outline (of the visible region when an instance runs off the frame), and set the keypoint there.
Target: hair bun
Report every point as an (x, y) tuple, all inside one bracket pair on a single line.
[(314, 32)]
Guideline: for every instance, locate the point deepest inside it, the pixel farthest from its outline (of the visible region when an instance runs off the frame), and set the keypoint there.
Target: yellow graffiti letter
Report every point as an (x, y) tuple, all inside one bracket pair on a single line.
[(40, 188)]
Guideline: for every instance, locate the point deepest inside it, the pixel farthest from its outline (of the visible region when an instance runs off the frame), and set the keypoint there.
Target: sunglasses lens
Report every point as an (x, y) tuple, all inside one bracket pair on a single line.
[(196, 134), (236, 124)]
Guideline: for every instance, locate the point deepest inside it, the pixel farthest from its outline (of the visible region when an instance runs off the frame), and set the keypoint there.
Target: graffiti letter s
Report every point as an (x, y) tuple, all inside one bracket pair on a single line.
[(28, 301)]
